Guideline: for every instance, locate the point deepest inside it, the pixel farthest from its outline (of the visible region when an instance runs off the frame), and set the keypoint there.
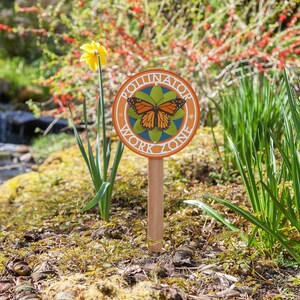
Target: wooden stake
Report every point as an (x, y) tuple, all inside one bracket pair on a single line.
[(155, 204)]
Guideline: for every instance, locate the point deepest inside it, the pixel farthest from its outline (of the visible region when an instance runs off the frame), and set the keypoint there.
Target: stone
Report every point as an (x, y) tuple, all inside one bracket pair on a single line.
[(5, 90), (22, 149), (18, 127), (34, 92), (183, 258), (27, 157)]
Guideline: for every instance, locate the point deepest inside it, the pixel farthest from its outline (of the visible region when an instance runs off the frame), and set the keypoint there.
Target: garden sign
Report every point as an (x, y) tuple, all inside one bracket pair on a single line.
[(156, 114)]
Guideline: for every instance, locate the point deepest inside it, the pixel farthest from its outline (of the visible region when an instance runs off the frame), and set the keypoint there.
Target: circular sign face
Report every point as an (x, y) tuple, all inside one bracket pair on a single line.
[(156, 113)]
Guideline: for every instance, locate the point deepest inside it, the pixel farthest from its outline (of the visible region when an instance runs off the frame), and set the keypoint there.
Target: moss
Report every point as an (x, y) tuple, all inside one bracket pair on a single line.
[(60, 187), (43, 146)]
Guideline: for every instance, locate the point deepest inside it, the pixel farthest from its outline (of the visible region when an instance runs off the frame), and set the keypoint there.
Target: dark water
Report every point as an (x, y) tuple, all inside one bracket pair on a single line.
[(18, 128)]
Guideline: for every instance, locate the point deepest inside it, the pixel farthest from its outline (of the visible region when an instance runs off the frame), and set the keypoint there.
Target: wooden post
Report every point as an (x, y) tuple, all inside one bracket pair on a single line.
[(155, 204)]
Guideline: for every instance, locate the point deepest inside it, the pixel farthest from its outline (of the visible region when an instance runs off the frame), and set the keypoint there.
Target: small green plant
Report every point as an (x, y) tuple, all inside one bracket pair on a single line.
[(98, 164), (272, 185)]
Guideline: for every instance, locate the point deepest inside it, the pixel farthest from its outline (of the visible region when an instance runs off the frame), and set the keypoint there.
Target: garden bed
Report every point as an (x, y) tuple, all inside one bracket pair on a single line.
[(49, 250)]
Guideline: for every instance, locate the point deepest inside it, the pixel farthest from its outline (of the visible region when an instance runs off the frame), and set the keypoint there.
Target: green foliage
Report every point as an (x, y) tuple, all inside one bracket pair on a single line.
[(98, 164), (204, 41), (18, 72), (272, 184), (43, 146), (213, 213), (244, 111)]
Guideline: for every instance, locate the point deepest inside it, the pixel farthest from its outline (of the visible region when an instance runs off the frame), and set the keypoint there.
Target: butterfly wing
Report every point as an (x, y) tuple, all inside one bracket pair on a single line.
[(163, 121), (148, 121), (140, 106), (172, 106)]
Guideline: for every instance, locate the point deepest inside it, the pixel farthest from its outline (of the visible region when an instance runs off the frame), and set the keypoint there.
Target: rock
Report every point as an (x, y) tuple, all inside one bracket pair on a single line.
[(27, 157), (22, 149), (34, 92), (18, 127), (5, 88), (183, 258), (18, 267)]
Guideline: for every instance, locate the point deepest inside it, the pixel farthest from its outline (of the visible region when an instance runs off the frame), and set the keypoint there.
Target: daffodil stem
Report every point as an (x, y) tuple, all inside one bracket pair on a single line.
[(101, 115)]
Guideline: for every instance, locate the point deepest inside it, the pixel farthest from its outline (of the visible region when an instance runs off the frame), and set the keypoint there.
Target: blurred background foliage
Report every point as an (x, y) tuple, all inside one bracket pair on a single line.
[(207, 42)]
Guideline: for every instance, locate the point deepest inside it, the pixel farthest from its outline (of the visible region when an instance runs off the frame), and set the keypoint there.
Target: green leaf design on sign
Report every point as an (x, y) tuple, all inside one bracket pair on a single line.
[(155, 135), (145, 97), (137, 128), (157, 93), (172, 130), (168, 96), (179, 114), (133, 114)]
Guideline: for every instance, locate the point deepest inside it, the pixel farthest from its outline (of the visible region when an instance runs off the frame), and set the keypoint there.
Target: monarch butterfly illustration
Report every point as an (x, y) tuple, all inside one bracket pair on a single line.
[(155, 116)]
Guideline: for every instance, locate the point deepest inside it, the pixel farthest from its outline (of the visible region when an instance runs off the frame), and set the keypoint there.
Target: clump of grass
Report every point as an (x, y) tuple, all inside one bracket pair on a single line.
[(271, 177), (246, 109)]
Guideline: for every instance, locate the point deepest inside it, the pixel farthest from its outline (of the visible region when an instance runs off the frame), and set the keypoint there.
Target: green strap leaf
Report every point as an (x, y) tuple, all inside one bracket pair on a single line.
[(213, 213), (262, 225), (100, 193), (289, 216)]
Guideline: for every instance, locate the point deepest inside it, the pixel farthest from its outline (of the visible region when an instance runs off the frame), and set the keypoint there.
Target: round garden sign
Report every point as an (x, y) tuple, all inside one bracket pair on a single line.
[(156, 113)]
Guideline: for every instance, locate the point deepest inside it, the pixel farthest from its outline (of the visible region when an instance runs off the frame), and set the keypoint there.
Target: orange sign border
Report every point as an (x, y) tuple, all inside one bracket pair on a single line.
[(197, 113)]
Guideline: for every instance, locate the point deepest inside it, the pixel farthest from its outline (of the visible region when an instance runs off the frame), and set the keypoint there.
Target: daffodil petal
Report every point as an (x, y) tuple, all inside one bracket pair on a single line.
[(84, 57), (102, 50), (91, 53), (103, 60), (87, 47), (93, 65)]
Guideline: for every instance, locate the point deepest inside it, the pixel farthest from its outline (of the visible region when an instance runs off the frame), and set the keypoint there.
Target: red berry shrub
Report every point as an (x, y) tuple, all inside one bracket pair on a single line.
[(205, 43)]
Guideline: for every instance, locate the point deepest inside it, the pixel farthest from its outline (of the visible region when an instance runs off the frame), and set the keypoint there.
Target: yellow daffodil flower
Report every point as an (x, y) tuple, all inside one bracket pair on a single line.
[(91, 51)]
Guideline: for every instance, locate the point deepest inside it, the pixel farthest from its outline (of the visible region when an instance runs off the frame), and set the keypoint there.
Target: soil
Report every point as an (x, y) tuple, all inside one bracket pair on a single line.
[(49, 250)]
